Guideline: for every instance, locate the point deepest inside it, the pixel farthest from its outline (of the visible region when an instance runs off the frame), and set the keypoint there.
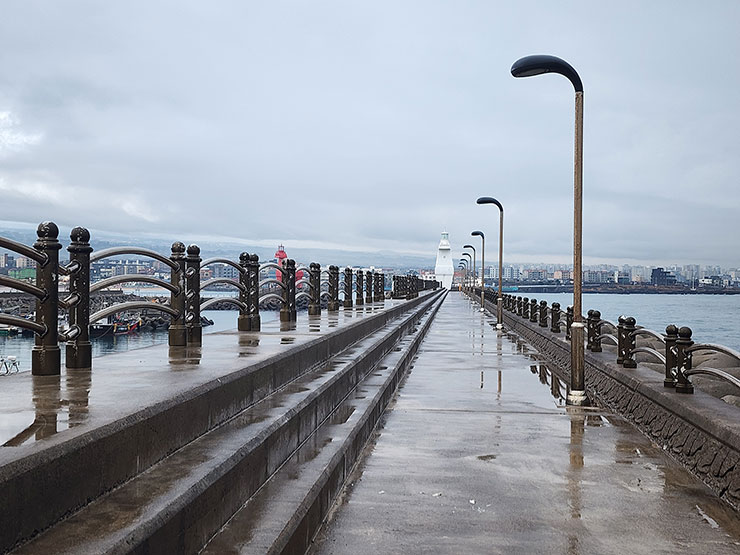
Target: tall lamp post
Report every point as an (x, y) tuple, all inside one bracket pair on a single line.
[(471, 247), (500, 300), (461, 267), (470, 262), (482, 268), (536, 65)]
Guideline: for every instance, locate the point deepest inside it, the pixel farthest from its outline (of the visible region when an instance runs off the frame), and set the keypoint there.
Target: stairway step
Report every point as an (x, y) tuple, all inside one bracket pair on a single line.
[(177, 504), (285, 514)]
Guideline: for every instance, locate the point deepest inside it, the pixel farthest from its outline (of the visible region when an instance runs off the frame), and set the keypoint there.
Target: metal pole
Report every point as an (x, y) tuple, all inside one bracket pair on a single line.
[(483, 274), (254, 293), (500, 308), (577, 394)]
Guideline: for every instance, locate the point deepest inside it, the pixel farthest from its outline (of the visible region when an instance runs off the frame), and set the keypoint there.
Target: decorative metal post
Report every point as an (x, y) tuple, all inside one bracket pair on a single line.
[(533, 310), (555, 318), (244, 296), (78, 353), (46, 355), (683, 360), (369, 285), (671, 336), (255, 322), (568, 321), (178, 336), (285, 293), (596, 343), (629, 342), (519, 306), (525, 308), (291, 287), (590, 330), (192, 296), (379, 287), (333, 305), (543, 314), (348, 287), (359, 286), (314, 305), (621, 341)]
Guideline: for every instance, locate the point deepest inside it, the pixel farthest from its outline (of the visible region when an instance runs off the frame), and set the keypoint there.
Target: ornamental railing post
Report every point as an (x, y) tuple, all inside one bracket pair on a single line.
[(359, 286), (348, 287), (333, 304), (568, 321), (291, 286), (244, 296), (46, 355), (555, 318), (178, 335), (525, 308), (520, 306), (314, 272), (285, 292), (192, 296), (369, 286), (683, 360), (378, 296), (78, 353), (596, 343), (621, 343), (629, 342), (533, 310), (255, 322), (671, 336), (543, 314)]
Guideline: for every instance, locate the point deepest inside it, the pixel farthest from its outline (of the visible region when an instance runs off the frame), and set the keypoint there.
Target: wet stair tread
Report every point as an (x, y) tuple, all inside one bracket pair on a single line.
[(112, 518), (264, 523)]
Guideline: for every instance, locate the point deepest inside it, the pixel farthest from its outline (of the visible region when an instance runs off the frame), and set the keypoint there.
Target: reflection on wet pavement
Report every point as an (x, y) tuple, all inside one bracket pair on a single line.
[(480, 455)]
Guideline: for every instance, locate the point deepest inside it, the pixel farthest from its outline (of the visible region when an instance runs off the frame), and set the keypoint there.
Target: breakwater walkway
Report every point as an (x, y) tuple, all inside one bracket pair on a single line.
[(480, 455)]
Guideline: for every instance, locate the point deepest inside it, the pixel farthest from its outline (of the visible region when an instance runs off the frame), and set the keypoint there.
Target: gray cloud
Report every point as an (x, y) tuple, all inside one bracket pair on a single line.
[(374, 126)]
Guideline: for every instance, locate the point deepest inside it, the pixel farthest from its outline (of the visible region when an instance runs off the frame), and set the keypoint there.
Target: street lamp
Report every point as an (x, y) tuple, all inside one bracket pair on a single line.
[(471, 247), (461, 267), (482, 268), (536, 65), (470, 262), (499, 301)]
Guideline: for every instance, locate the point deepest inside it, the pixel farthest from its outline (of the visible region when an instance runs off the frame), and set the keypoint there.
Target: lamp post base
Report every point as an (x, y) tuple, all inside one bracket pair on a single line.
[(499, 326), (577, 398)]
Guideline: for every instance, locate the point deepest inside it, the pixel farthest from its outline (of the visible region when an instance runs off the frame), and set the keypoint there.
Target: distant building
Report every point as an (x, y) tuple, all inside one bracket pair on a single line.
[(659, 276)]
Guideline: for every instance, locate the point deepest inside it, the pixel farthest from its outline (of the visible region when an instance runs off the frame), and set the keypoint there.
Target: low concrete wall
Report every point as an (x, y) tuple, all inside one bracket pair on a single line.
[(699, 431), (39, 489)]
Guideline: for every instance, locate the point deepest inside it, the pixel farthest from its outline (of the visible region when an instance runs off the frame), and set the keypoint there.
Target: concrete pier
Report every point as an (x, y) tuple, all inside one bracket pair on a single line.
[(480, 455)]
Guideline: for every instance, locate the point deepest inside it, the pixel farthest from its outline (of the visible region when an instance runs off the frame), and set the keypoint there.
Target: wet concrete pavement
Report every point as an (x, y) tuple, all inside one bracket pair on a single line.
[(44, 408), (480, 455)]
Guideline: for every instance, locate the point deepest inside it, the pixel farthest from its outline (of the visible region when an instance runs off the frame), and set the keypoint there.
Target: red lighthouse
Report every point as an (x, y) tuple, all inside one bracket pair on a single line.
[(280, 257)]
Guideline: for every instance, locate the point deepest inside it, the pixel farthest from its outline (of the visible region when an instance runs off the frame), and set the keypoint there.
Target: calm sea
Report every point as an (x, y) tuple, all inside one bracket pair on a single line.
[(222, 320), (712, 318)]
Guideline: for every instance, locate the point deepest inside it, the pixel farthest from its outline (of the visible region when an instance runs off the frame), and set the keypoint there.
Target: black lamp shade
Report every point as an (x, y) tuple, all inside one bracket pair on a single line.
[(542, 63)]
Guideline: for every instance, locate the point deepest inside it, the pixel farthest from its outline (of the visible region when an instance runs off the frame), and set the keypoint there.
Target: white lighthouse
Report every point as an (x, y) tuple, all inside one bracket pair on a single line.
[(443, 269)]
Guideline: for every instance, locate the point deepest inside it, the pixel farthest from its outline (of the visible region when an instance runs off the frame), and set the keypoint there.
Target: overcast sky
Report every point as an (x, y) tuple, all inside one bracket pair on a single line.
[(376, 125)]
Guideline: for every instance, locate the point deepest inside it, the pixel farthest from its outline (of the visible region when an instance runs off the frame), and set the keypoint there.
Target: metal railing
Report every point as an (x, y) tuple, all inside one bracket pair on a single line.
[(676, 344), (185, 289)]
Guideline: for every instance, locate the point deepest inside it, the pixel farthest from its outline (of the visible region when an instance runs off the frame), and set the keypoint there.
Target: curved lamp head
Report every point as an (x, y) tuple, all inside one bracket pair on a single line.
[(490, 200), (469, 247), (468, 255), (479, 234), (542, 63)]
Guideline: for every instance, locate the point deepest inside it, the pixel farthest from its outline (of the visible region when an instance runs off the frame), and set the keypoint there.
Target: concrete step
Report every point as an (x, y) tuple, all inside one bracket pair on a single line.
[(171, 405), (285, 514), (176, 505)]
